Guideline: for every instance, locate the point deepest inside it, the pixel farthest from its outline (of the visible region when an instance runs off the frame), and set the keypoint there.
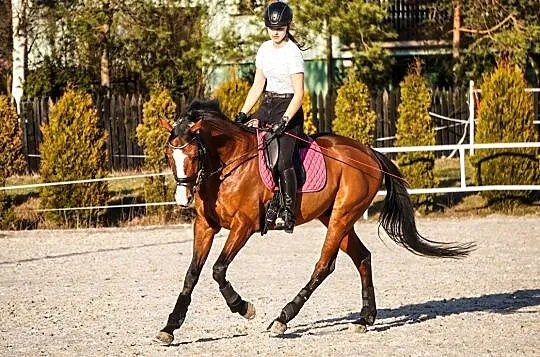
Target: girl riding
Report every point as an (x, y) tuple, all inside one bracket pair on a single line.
[(279, 66)]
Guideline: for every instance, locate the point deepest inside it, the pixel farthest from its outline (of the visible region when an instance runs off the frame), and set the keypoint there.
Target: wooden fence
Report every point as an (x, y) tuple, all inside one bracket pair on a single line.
[(450, 103), (120, 115)]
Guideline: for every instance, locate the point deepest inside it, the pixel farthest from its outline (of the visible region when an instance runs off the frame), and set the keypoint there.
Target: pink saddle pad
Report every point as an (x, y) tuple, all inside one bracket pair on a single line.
[(312, 160)]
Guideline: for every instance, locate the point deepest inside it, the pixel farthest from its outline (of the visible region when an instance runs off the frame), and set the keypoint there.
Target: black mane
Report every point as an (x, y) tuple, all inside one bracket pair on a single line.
[(204, 107)]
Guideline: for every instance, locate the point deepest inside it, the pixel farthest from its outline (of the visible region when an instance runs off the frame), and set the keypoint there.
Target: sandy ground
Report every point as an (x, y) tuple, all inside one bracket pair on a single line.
[(107, 292)]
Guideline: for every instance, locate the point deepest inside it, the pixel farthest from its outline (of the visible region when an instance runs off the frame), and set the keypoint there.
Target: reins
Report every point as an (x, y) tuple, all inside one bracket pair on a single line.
[(203, 175), (349, 158), (323, 153)]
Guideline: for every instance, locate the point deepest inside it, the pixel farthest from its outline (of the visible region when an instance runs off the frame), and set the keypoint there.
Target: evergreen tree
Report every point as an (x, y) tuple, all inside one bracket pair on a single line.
[(231, 94), (11, 144), (506, 114), (354, 117), (309, 124), (486, 31), (415, 128), (11, 158), (108, 41), (358, 24), (152, 139), (74, 148)]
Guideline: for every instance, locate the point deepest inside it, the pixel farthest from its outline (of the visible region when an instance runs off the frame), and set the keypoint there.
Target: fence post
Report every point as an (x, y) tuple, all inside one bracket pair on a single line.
[(462, 166), (321, 116), (385, 115), (379, 124), (471, 117)]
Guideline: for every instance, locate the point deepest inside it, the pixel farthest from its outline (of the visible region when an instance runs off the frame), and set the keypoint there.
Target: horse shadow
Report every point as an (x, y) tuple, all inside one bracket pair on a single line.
[(207, 339), (500, 303)]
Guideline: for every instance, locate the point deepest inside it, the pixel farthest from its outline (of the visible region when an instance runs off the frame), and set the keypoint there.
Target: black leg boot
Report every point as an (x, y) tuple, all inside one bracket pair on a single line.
[(287, 180)]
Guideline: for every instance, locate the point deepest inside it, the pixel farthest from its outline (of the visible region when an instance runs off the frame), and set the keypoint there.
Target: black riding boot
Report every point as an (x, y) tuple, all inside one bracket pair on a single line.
[(287, 181)]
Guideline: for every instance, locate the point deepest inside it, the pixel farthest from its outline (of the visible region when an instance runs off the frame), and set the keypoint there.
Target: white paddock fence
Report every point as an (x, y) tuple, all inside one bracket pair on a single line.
[(473, 96), (457, 148), (462, 174)]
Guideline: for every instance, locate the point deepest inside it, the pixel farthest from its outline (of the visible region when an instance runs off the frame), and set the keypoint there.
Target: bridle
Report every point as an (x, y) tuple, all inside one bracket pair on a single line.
[(201, 158), (203, 173)]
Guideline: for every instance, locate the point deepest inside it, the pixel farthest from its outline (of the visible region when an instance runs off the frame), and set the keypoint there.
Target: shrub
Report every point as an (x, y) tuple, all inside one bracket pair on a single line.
[(506, 114), (152, 138), (232, 94), (415, 128), (11, 144), (309, 124), (11, 148), (74, 148), (354, 118)]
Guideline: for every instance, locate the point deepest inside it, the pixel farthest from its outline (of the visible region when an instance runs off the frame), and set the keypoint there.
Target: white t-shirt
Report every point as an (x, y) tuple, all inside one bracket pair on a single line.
[(277, 65)]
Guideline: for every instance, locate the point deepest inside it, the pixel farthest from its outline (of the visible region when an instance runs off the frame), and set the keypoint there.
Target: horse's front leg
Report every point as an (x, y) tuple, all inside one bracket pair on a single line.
[(202, 241), (241, 231)]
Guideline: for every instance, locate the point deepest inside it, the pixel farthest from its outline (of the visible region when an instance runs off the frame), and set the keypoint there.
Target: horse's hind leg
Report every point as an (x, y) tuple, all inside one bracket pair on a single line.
[(323, 268), (361, 258)]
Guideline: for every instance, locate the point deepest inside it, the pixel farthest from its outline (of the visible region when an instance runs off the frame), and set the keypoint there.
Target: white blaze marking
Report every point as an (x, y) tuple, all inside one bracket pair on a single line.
[(181, 191)]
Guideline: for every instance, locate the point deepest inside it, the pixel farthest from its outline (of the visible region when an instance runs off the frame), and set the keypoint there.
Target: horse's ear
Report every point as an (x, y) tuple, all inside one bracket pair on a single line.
[(196, 126), (165, 124)]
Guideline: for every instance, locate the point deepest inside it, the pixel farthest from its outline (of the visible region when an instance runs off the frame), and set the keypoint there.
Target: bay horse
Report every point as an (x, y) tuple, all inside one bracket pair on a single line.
[(215, 164)]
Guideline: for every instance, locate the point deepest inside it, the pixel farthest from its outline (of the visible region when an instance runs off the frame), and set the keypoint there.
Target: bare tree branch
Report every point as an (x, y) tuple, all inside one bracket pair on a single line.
[(494, 28)]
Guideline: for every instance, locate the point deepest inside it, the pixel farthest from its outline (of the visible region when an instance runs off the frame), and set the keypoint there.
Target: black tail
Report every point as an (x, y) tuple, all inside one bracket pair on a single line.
[(397, 218)]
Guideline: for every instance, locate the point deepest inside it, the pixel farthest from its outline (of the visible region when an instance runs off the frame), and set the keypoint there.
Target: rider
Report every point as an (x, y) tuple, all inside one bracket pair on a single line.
[(280, 65)]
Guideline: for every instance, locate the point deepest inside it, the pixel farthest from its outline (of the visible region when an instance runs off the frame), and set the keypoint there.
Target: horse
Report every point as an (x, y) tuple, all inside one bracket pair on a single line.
[(214, 162)]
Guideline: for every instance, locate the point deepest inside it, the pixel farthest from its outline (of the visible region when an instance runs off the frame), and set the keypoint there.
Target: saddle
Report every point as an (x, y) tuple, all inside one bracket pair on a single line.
[(308, 163)]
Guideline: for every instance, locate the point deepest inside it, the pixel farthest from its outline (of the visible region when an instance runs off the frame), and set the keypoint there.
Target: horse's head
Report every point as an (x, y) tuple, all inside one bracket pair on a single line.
[(199, 146), (186, 155)]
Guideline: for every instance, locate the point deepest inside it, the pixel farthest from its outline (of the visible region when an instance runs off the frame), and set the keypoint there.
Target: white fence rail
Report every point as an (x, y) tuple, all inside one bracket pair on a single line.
[(459, 148), (472, 96), (462, 174)]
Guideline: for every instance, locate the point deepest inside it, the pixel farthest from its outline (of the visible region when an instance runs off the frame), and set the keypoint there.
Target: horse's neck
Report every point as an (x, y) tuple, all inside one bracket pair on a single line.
[(228, 141)]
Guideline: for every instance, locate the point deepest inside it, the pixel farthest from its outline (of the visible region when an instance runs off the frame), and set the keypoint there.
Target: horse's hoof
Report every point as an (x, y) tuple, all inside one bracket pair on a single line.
[(359, 328), (277, 328), (250, 313), (164, 338), (367, 317)]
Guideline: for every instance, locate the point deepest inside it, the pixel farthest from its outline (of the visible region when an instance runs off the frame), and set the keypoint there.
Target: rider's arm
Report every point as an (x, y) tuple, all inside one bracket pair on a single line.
[(296, 101), (255, 91)]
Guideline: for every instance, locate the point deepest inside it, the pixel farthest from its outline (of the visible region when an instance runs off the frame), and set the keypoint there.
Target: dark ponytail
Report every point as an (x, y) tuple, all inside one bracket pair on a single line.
[(300, 45)]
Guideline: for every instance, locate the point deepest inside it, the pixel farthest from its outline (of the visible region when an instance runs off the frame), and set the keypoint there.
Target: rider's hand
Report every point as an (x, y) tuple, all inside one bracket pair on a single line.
[(240, 118), (279, 127)]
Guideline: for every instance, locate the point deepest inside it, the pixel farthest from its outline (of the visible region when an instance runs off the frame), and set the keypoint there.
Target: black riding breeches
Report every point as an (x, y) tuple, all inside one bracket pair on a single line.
[(270, 112)]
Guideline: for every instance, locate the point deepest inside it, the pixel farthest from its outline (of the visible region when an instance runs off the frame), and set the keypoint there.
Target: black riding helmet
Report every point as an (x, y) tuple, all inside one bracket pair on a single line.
[(277, 14)]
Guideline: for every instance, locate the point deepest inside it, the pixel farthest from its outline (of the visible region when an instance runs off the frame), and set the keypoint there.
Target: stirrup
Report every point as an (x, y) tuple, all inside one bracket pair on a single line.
[(289, 223), (272, 209)]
